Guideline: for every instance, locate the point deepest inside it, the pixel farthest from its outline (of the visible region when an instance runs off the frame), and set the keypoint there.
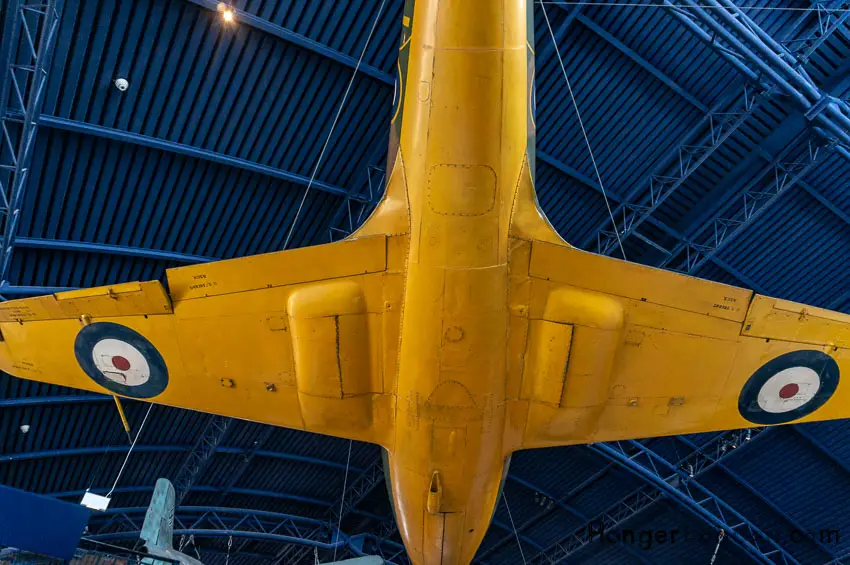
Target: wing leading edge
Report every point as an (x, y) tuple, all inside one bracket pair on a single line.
[(616, 350), (298, 339)]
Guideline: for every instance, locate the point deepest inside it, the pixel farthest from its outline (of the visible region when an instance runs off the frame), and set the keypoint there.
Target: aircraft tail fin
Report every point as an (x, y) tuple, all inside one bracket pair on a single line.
[(158, 528)]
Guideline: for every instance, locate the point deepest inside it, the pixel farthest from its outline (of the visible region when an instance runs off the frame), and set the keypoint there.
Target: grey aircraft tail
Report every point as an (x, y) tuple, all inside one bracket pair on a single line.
[(158, 529)]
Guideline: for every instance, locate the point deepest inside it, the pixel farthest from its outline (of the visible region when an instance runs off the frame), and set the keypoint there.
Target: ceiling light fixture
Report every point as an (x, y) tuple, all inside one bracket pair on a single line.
[(228, 14)]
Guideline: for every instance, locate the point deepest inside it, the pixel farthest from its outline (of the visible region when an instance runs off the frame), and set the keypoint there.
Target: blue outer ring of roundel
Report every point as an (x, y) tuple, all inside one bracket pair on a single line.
[(93, 333), (821, 363)]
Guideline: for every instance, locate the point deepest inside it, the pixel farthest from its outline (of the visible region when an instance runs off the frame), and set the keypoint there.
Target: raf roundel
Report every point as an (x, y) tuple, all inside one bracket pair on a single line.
[(121, 360), (789, 387)]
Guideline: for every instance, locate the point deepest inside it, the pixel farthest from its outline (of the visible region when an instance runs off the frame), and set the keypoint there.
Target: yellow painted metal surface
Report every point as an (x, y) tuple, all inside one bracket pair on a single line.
[(455, 327)]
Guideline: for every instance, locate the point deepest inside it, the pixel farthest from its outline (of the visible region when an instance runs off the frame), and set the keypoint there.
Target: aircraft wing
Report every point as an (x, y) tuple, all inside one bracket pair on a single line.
[(297, 338), (616, 350)]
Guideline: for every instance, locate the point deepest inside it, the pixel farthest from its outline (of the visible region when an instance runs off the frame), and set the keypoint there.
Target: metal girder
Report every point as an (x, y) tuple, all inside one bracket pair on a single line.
[(301, 41), (357, 491), (820, 447), (97, 450), (200, 522), (829, 18), (646, 65), (200, 455), (88, 247), (113, 134), (811, 191), (575, 14), (696, 499), (546, 512), (765, 500), (753, 285), (784, 172), (15, 290), (541, 551), (354, 493), (684, 159), (573, 173), (203, 488), (698, 461), (234, 477), (560, 32), (247, 457), (28, 48), (569, 171), (759, 57), (676, 167), (346, 219), (554, 499), (48, 400), (780, 143)]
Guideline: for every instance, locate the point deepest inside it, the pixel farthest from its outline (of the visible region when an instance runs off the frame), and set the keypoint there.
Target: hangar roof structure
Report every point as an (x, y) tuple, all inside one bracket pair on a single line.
[(721, 134)]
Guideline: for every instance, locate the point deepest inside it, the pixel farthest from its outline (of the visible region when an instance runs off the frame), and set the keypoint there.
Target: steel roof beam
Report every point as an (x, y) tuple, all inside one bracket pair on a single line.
[(198, 488), (47, 400), (781, 173), (559, 503), (757, 196), (70, 452), (200, 455), (821, 448), (575, 512), (213, 533), (811, 191), (822, 108), (17, 290), (753, 285), (294, 38), (113, 134), (769, 503), (22, 91), (690, 154), (344, 210), (239, 523), (247, 457), (575, 174), (571, 172), (560, 32), (646, 65), (539, 516), (676, 167), (108, 249), (204, 511), (696, 499), (697, 462), (666, 183)]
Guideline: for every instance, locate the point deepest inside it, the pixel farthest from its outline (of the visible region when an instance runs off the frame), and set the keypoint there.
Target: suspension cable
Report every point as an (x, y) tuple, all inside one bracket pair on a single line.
[(583, 130), (129, 451), (342, 499), (516, 534), (333, 125), (720, 537)]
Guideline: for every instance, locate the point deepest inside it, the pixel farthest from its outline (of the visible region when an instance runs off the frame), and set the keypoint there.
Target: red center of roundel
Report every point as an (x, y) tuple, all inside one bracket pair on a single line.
[(122, 364), (789, 390)]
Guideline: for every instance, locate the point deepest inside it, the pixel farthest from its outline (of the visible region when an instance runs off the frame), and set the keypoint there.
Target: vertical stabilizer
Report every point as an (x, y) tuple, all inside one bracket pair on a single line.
[(159, 519)]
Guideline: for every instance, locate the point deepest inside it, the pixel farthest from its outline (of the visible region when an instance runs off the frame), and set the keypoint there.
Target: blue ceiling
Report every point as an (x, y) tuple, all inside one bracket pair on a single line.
[(711, 164)]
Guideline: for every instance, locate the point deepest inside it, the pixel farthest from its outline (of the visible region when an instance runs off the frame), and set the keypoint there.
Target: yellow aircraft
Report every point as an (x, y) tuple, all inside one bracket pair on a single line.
[(455, 327)]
